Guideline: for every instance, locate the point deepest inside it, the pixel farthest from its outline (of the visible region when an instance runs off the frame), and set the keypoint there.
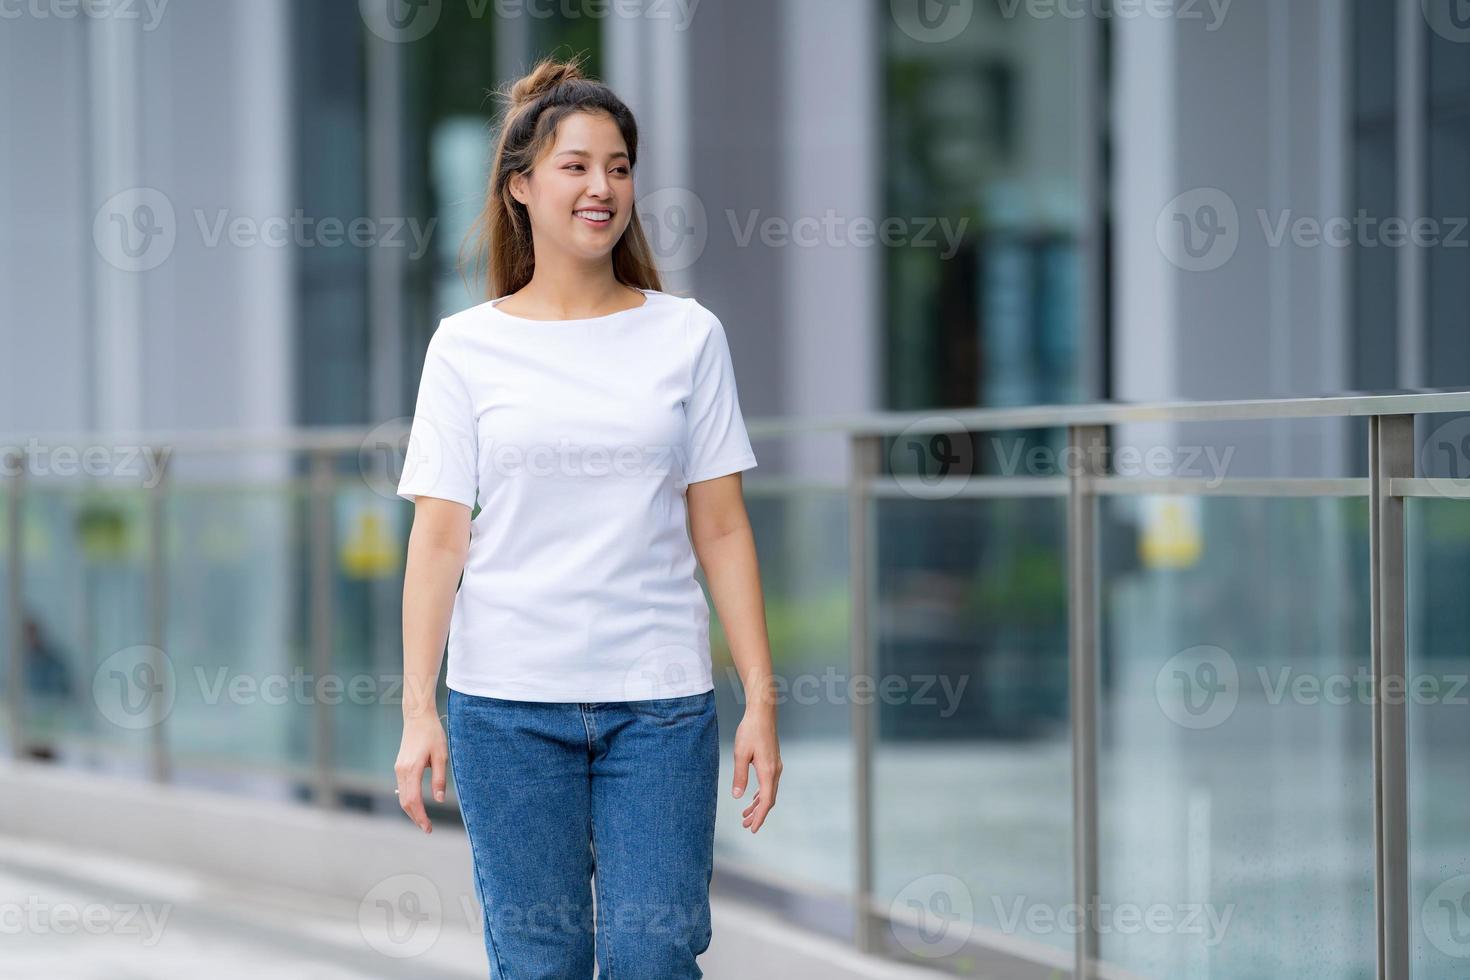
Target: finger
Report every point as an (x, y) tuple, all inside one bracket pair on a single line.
[(765, 771), (410, 796), (742, 773), (440, 780), (759, 816), (755, 802)]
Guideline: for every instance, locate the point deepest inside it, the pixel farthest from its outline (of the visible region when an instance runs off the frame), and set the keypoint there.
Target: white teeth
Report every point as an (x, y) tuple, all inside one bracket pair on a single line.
[(594, 215)]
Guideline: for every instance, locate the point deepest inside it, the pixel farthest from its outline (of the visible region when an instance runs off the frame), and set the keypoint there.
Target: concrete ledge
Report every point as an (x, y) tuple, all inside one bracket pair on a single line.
[(291, 872)]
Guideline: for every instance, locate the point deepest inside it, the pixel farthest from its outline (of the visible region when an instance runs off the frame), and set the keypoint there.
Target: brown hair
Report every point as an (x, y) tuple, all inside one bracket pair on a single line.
[(536, 104)]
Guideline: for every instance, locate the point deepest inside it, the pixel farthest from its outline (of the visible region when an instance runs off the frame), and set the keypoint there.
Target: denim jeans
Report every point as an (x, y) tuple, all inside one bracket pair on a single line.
[(561, 799)]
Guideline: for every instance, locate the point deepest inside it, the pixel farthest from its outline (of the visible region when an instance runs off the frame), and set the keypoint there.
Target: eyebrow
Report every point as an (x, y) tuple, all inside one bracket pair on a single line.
[(584, 153)]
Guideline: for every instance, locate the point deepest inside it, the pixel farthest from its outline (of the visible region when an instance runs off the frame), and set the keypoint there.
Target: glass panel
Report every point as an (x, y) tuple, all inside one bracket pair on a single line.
[(972, 768), (1235, 765), (90, 679), (369, 547), (1439, 729), (237, 630), (801, 537)]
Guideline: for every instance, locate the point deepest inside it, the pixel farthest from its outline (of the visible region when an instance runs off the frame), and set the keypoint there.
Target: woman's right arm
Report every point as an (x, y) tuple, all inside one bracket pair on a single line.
[(437, 547)]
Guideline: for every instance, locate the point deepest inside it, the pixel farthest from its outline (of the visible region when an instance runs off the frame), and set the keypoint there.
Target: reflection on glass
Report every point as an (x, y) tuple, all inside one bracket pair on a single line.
[(1235, 767), (801, 537), (1438, 699), (972, 769)]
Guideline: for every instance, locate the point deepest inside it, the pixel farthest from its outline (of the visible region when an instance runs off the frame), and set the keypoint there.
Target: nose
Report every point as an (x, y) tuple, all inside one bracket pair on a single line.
[(598, 185)]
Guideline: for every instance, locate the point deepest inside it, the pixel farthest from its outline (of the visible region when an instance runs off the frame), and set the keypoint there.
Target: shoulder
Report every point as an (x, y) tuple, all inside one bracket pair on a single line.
[(701, 324)]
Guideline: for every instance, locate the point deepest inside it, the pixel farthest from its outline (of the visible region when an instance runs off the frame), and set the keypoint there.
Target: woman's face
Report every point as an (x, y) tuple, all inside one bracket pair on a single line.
[(585, 176)]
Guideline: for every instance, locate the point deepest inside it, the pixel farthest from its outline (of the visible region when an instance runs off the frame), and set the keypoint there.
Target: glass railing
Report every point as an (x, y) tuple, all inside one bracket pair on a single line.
[(1086, 690)]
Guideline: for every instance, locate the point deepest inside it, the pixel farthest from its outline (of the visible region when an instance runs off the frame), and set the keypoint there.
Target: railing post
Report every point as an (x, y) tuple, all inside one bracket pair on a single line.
[(319, 537), (865, 463), (1390, 455), (15, 603), (159, 762), (1087, 446)]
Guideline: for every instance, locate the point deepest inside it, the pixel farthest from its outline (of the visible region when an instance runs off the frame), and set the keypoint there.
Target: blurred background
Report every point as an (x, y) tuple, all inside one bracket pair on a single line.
[(944, 237)]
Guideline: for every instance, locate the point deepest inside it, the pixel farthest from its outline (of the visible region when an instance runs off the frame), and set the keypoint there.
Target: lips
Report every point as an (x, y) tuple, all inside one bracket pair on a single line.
[(596, 217)]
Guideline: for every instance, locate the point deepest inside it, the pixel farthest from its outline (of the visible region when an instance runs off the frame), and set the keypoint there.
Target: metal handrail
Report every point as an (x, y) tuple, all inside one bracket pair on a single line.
[(1391, 478), (924, 422)]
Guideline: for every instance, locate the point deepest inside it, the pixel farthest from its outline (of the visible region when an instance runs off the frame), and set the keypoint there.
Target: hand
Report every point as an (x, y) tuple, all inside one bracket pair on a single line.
[(756, 744), (423, 745)]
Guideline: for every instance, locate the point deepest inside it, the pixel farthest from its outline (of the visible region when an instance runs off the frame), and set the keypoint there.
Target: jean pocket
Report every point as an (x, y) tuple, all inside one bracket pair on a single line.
[(673, 711)]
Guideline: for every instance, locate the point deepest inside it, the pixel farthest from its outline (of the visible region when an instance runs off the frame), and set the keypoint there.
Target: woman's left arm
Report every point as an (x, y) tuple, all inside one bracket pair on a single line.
[(719, 529)]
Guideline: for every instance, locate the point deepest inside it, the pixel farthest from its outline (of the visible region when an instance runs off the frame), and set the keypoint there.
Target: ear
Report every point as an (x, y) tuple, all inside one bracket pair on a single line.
[(517, 185)]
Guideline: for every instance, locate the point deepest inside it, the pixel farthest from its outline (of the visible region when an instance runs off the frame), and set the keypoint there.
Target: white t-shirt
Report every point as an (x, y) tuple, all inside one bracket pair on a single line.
[(581, 437)]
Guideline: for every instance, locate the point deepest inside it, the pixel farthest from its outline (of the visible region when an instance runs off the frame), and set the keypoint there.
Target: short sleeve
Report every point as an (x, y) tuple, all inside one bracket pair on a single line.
[(717, 441), (443, 443)]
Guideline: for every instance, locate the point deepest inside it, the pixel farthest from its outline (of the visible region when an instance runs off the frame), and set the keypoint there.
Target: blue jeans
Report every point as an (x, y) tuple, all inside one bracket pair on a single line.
[(556, 796)]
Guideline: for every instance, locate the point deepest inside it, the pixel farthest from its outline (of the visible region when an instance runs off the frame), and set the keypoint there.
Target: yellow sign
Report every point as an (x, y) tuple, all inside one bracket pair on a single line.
[(1170, 534), (369, 548)]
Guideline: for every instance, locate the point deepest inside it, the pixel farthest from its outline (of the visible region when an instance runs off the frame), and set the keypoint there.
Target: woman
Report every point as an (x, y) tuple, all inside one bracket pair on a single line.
[(590, 414)]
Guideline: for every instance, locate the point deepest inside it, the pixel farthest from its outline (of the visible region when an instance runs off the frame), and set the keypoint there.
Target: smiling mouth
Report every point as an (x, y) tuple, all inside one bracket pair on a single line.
[(597, 217)]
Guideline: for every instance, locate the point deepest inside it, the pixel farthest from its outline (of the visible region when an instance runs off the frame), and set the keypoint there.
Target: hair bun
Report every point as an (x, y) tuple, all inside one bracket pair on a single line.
[(547, 75)]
